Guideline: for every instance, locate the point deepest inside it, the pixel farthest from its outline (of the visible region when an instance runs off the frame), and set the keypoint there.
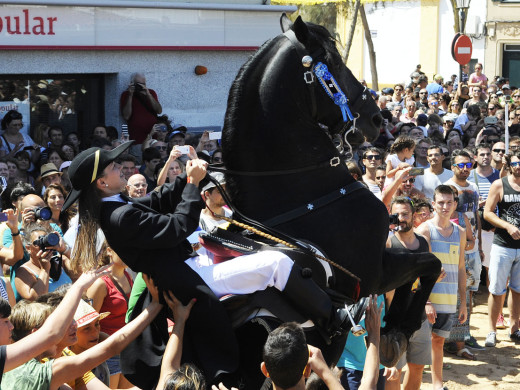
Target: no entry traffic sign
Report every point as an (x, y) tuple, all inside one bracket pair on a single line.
[(462, 49)]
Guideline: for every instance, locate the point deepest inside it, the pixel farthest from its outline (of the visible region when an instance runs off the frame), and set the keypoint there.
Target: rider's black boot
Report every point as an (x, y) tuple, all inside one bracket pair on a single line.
[(312, 301)]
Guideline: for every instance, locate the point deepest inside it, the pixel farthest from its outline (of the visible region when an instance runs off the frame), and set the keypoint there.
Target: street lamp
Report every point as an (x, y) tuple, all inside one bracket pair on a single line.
[(462, 6)]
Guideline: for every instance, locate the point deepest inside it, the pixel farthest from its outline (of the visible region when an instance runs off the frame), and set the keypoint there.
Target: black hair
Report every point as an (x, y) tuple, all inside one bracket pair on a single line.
[(99, 142), (372, 149), (5, 308), (112, 133), (444, 189), (150, 154), (286, 354), (10, 116), (403, 200), (474, 110), (459, 152), (20, 189), (126, 157)]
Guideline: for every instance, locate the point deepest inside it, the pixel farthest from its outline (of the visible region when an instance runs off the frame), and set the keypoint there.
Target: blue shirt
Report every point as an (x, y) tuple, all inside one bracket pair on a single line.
[(355, 351), (434, 88)]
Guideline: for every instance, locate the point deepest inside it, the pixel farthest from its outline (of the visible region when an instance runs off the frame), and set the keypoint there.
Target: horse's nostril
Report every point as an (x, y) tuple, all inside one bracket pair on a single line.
[(377, 119)]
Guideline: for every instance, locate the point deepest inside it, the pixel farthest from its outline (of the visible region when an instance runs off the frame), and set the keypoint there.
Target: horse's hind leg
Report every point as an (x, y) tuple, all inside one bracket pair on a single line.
[(400, 270)]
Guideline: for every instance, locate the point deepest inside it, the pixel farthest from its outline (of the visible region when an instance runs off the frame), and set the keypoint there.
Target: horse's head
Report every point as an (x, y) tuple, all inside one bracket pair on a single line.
[(319, 46)]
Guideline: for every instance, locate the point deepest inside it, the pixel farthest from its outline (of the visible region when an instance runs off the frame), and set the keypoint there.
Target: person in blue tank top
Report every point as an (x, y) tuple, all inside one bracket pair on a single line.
[(447, 242)]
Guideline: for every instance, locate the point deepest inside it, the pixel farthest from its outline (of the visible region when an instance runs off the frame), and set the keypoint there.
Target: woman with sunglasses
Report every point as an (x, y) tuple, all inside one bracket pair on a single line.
[(13, 140), (454, 107)]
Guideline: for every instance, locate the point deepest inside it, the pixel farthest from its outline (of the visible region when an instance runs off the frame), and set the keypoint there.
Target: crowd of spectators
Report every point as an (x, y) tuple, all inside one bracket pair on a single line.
[(442, 145)]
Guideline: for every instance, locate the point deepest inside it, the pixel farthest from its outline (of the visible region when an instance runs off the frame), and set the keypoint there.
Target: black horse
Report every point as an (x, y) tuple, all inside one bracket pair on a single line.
[(284, 171)]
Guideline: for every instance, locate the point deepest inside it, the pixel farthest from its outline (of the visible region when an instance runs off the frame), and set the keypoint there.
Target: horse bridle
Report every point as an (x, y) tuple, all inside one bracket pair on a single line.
[(320, 72)]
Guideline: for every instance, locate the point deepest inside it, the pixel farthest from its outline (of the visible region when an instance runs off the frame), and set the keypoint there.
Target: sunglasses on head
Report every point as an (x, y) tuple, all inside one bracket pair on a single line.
[(373, 157), (462, 165)]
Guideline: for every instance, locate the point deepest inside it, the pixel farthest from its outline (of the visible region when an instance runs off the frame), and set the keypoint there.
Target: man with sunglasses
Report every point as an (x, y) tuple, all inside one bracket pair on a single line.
[(435, 175), (505, 252), (403, 185), (371, 160), (498, 151), (468, 204)]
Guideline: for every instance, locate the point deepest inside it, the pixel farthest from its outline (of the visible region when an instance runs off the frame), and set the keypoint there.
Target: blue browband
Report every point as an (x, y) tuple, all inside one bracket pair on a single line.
[(328, 82)]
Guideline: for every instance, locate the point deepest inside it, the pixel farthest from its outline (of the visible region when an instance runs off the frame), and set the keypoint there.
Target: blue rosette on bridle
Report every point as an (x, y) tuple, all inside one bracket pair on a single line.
[(331, 87)]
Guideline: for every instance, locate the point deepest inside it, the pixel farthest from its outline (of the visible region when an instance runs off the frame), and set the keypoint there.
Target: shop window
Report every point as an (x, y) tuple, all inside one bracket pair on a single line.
[(73, 102)]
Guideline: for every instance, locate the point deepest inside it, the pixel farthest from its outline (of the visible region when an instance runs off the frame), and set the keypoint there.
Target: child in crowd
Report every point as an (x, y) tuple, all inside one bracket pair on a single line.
[(400, 157)]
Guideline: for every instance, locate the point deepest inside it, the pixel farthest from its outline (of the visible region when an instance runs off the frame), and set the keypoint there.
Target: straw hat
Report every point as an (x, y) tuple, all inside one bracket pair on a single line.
[(85, 314)]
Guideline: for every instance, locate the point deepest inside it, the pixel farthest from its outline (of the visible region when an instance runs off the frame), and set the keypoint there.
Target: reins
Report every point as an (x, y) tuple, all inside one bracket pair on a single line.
[(269, 232)]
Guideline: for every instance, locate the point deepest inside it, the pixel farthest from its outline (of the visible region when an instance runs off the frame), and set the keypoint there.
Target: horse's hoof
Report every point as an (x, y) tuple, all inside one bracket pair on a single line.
[(391, 347)]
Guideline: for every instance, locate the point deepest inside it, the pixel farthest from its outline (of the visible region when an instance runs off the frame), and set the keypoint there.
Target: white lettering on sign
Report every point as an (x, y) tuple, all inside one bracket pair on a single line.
[(27, 24), (464, 50), (52, 27)]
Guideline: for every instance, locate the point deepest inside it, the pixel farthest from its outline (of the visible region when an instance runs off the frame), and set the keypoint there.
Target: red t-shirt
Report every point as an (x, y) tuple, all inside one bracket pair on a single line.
[(143, 116)]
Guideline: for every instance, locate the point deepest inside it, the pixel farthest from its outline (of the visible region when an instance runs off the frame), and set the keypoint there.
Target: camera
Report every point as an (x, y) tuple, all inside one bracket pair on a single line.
[(138, 87), (51, 239), (394, 219), (43, 242), (43, 213)]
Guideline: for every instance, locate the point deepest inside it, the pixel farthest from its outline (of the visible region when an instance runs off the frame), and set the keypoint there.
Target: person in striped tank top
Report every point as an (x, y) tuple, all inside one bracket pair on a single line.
[(446, 240)]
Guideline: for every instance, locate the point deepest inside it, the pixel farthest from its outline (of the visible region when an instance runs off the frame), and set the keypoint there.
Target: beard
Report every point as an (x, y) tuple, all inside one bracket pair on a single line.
[(406, 227)]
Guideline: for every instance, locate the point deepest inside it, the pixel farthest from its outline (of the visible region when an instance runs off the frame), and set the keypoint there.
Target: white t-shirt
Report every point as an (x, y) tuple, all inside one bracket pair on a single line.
[(394, 162), (429, 181), (207, 224)]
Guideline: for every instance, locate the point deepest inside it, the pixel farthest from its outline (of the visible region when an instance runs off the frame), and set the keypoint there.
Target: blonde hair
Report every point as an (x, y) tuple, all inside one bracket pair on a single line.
[(26, 316), (187, 377)]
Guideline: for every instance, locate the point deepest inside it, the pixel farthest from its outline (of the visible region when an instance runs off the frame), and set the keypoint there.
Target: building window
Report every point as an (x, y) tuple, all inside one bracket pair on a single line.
[(73, 102)]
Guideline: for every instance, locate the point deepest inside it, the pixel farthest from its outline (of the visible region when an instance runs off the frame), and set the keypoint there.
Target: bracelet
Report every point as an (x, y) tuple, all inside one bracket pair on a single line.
[(189, 180), (15, 234)]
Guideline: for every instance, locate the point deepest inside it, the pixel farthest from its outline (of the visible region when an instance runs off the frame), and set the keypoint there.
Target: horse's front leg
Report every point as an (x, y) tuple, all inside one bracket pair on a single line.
[(401, 269)]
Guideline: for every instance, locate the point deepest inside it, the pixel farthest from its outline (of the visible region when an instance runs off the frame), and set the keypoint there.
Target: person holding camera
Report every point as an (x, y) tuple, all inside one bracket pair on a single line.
[(139, 107), (34, 210), (33, 278)]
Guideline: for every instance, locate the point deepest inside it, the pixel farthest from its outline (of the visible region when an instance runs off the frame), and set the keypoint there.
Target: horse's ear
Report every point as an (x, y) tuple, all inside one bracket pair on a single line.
[(285, 22), (301, 30)]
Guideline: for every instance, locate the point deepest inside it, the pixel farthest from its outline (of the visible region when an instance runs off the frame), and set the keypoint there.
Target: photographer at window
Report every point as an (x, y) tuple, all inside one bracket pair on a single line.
[(43, 272), (139, 107)]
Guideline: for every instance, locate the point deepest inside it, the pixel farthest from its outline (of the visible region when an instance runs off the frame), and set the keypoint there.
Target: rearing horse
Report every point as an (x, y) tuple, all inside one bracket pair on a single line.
[(286, 171)]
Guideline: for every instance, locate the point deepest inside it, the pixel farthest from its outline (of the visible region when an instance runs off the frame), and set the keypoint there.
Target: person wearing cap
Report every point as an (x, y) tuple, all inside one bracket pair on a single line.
[(214, 204), (51, 374), (87, 336), (139, 107), (149, 235), (436, 85), (49, 174)]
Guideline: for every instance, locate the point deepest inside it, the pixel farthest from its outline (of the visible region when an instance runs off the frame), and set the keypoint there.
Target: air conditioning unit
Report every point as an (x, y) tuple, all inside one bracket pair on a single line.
[(474, 26)]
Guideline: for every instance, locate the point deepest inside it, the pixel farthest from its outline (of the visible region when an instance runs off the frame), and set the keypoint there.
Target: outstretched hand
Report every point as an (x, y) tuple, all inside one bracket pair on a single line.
[(373, 315), (87, 278), (180, 312)]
